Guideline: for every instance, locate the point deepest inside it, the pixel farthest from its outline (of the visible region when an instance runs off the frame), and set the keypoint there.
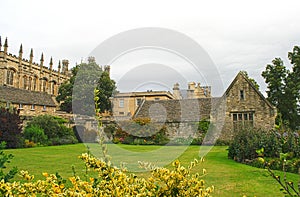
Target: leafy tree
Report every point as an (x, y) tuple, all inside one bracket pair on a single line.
[(284, 87), (65, 91), (106, 87), (79, 91), (10, 127)]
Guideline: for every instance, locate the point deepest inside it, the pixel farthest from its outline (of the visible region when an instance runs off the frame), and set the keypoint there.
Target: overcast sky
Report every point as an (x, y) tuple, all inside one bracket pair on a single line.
[(237, 35)]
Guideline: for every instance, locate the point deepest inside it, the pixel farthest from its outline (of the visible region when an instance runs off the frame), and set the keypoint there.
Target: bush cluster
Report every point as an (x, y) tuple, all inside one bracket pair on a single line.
[(48, 130), (257, 147), (10, 128)]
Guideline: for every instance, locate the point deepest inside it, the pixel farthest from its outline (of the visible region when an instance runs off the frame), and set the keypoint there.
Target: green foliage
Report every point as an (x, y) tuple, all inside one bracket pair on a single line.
[(106, 88), (35, 134), (10, 128), (4, 159), (203, 126), (256, 147), (78, 92), (56, 132), (284, 87)]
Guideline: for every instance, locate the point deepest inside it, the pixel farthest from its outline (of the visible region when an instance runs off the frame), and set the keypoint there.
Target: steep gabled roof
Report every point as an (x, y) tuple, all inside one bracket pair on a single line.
[(20, 96), (251, 85)]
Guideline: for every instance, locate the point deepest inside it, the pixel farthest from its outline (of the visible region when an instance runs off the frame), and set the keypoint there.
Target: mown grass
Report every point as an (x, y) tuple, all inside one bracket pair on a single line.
[(228, 177)]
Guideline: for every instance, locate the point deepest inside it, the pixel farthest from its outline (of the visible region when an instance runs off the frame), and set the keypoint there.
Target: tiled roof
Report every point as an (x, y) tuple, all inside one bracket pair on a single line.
[(148, 93), (15, 95), (185, 110)]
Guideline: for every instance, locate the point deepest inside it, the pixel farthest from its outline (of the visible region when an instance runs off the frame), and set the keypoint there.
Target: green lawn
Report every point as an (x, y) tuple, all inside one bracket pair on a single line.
[(228, 177)]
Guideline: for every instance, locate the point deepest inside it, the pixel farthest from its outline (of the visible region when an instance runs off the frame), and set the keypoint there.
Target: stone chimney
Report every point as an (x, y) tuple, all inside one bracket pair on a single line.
[(176, 91), (191, 90)]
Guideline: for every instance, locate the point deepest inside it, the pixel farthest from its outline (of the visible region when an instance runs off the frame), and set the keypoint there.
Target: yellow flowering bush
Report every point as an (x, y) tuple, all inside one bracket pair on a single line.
[(113, 181)]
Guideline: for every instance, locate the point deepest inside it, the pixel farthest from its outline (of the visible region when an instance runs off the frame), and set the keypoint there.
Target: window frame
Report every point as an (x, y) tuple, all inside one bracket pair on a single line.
[(242, 119), (21, 106), (121, 103), (138, 101), (32, 107)]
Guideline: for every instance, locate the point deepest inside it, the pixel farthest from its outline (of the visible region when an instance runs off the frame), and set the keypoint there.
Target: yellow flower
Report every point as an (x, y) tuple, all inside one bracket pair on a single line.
[(45, 174)]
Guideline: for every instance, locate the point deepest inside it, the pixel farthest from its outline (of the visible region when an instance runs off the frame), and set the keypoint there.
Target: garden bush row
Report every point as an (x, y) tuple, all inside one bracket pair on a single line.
[(273, 148)]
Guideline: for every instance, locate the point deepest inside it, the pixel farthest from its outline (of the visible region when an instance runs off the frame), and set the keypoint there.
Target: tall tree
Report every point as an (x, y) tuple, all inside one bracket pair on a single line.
[(77, 95), (284, 87), (65, 92), (106, 88)]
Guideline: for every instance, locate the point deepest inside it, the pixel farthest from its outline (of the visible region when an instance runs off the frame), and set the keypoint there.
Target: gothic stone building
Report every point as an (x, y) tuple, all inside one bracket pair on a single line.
[(241, 106), (30, 87)]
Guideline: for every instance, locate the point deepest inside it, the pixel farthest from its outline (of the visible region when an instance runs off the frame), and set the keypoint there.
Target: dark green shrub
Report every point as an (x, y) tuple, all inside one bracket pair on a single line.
[(10, 128), (54, 128), (251, 146), (197, 141), (244, 145), (220, 142), (35, 134), (203, 126)]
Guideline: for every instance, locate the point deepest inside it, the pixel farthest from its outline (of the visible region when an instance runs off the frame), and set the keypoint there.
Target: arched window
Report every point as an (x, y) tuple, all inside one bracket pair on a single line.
[(25, 82), (44, 83), (10, 77), (34, 84), (52, 86)]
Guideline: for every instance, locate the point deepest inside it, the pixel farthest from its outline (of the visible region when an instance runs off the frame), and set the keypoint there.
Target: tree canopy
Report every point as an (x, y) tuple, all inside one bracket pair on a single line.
[(77, 94), (284, 87)]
